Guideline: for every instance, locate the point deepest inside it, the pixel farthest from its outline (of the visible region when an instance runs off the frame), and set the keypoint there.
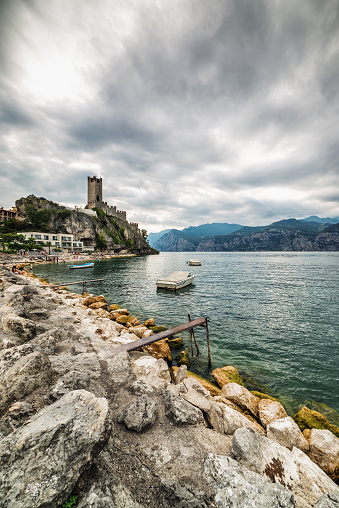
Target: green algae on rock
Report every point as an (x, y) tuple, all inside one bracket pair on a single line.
[(227, 374), (183, 358), (309, 419), (176, 342), (261, 395)]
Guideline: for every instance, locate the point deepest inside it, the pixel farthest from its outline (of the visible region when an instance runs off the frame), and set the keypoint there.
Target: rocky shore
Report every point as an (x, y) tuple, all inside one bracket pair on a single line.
[(126, 431)]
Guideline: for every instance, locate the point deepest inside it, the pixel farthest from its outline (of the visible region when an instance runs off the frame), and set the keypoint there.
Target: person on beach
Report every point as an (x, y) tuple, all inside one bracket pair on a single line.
[(14, 270)]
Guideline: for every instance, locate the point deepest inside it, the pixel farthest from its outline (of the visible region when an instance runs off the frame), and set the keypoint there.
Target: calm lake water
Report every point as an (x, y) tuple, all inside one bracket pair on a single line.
[(273, 315)]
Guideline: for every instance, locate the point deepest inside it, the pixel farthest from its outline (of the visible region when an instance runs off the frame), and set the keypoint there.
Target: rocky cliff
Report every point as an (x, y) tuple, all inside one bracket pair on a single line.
[(102, 231), (288, 235)]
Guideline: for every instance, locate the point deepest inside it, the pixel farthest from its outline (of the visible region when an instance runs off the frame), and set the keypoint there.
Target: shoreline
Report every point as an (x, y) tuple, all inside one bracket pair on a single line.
[(55, 360)]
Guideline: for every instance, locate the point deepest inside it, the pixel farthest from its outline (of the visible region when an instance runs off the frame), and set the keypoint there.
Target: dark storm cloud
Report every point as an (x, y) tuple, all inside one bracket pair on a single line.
[(190, 111)]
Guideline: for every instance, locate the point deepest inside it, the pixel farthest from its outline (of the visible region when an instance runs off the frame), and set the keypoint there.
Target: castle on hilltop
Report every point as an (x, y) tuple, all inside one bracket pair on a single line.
[(94, 200)]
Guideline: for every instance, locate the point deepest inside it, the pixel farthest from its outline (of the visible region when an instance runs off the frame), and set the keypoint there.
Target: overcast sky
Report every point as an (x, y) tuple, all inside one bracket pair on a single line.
[(192, 111)]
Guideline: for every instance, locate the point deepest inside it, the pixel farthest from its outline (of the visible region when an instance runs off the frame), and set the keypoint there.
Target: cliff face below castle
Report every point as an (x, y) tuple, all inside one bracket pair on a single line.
[(287, 235), (100, 230)]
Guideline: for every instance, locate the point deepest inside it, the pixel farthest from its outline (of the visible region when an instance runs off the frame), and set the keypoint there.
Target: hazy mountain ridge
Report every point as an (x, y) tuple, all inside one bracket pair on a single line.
[(284, 235), (216, 228)]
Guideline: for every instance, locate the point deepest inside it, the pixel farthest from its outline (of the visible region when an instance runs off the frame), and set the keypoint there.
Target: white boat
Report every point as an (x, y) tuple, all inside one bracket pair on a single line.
[(194, 262), (85, 265), (176, 280)]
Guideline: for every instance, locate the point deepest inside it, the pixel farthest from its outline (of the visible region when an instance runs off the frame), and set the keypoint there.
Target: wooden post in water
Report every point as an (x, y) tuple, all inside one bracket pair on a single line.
[(208, 344), (195, 340)]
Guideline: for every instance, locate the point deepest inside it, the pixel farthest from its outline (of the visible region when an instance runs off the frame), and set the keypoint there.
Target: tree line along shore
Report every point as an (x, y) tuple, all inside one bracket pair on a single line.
[(80, 426)]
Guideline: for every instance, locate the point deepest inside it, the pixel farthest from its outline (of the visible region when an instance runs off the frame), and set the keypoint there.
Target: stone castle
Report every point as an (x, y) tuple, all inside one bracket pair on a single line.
[(94, 200)]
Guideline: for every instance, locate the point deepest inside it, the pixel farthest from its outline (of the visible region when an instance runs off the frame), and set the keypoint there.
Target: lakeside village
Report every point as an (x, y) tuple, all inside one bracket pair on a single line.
[(85, 423), (51, 244)]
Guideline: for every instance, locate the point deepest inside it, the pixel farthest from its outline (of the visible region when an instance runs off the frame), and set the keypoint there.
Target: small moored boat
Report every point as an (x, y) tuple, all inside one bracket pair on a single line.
[(176, 280), (85, 265), (194, 262)]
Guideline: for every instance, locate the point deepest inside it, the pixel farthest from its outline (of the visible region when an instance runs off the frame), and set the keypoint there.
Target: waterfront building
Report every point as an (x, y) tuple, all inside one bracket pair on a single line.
[(7, 214), (63, 241)]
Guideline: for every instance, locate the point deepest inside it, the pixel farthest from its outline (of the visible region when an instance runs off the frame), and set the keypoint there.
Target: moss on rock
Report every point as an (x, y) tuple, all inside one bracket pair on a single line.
[(261, 395), (309, 419), (114, 306), (227, 374), (183, 358), (157, 329), (176, 343)]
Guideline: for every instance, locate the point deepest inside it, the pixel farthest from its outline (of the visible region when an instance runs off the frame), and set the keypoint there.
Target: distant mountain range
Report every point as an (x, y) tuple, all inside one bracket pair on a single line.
[(205, 230), (312, 233)]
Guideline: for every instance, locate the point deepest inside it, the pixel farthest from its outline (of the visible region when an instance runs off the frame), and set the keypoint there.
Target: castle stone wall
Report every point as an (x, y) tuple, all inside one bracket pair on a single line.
[(94, 199)]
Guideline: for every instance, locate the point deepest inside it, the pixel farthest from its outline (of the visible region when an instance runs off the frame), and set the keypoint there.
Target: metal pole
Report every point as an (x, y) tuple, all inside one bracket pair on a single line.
[(208, 345), (195, 340), (191, 342)]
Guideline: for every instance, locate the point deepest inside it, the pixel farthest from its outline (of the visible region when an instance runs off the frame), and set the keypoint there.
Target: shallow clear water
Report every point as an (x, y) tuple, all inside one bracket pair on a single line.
[(273, 315)]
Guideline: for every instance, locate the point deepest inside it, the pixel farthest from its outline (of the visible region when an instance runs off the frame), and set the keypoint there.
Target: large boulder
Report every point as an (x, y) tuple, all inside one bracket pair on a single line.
[(120, 369), (328, 501), (23, 328), (89, 300), (27, 374), (42, 461), (226, 420), (227, 374), (269, 411), (237, 487), (309, 419), (85, 362), (8, 357), (152, 371), (159, 349), (241, 396), (196, 394), (287, 433), (180, 411), (140, 414), (324, 451), (292, 469)]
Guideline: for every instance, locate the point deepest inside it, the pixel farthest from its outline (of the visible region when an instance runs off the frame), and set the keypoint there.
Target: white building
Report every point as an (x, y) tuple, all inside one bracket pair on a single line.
[(57, 240)]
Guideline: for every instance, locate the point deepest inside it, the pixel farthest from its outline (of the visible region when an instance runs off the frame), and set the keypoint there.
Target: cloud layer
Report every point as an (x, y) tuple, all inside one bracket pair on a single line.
[(191, 111)]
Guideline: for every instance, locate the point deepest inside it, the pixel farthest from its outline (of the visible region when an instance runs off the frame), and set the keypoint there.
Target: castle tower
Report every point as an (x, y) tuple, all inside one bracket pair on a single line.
[(94, 191)]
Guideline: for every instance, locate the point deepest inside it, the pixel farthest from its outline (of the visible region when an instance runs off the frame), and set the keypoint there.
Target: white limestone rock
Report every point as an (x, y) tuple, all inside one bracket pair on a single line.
[(237, 487), (240, 396), (152, 371), (292, 469), (42, 461), (226, 420), (85, 362), (140, 414), (27, 374), (269, 411), (287, 433), (196, 394), (324, 451)]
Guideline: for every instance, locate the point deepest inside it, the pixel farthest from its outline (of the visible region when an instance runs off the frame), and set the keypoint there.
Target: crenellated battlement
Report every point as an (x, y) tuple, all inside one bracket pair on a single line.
[(94, 199)]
